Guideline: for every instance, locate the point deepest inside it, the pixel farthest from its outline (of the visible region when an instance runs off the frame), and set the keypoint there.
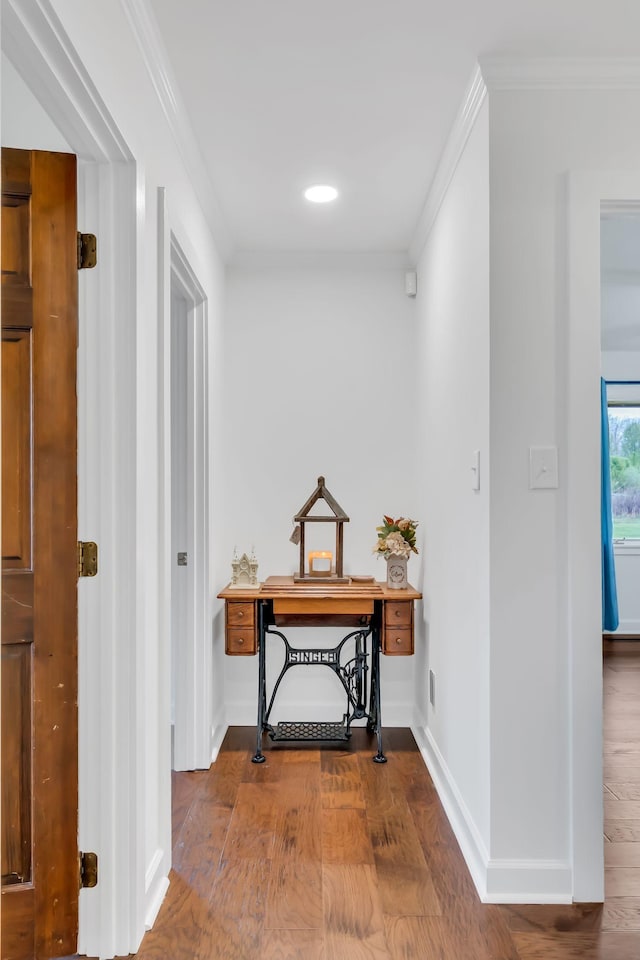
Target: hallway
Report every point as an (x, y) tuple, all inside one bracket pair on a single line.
[(321, 855)]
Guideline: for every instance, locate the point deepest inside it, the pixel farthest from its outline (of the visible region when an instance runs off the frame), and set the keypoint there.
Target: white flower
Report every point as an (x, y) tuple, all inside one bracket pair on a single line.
[(397, 545)]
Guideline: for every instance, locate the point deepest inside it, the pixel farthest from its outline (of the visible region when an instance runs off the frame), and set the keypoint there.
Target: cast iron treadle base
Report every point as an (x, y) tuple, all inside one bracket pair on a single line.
[(309, 731)]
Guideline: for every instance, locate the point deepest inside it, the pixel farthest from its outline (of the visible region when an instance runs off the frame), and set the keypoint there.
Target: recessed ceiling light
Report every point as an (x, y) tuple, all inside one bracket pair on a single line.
[(321, 193)]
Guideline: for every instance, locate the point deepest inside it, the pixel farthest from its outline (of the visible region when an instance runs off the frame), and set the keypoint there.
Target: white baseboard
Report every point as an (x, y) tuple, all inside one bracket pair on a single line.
[(626, 627), (155, 888), (218, 731), (528, 881), (497, 881), (465, 830)]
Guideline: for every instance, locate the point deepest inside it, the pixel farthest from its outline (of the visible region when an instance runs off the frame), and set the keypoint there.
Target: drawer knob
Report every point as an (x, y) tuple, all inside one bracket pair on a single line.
[(398, 612), (398, 639), (241, 613), (240, 639)]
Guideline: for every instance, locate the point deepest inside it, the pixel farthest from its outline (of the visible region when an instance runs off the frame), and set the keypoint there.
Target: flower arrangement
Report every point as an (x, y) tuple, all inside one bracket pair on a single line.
[(396, 537)]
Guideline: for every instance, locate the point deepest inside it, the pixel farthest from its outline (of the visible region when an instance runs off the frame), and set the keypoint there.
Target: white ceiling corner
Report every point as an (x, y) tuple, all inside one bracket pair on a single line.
[(370, 96), (561, 73), (157, 62)]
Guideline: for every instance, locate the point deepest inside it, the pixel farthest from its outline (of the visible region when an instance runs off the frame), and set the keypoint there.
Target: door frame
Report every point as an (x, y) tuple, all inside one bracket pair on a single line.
[(588, 193), (192, 680), (111, 721)]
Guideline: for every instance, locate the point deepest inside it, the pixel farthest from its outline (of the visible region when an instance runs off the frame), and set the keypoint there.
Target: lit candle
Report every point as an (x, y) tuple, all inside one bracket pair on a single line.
[(320, 563)]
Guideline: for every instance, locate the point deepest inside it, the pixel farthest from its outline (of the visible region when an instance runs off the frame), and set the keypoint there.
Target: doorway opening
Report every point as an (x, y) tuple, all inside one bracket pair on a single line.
[(620, 364), (620, 361)]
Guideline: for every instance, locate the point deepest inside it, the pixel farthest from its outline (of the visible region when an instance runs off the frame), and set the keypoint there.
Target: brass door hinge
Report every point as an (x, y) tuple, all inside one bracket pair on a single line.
[(88, 869), (87, 251), (87, 558)]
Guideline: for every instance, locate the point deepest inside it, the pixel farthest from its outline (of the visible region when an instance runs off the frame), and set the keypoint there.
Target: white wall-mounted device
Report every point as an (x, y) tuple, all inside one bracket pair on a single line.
[(411, 283)]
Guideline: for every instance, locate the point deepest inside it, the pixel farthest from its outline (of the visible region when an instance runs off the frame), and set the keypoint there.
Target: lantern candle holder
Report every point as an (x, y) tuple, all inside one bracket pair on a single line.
[(324, 566)]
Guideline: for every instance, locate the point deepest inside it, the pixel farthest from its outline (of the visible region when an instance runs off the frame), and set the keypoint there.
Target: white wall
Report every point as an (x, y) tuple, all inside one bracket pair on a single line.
[(25, 125), (514, 741), (129, 827), (320, 380), (453, 355), (539, 703)]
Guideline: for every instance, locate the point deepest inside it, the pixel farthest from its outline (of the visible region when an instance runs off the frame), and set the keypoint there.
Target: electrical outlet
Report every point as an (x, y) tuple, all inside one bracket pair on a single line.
[(432, 688)]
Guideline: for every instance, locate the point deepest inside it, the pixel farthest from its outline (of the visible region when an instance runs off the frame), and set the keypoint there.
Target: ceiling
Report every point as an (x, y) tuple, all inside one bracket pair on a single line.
[(358, 93)]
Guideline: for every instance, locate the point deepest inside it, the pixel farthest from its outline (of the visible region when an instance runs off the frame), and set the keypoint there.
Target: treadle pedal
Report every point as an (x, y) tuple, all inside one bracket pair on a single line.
[(309, 731)]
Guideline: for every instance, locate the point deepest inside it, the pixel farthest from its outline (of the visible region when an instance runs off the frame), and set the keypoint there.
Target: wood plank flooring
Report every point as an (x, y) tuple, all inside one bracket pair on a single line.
[(622, 787), (319, 854)]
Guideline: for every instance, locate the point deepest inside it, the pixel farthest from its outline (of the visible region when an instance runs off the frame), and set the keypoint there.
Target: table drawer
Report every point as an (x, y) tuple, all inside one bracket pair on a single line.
[(241, 641), (398, 612), (397, 641), (240, 613)]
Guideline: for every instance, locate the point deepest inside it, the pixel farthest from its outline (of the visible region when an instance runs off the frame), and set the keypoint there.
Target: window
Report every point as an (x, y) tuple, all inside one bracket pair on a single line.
[(624, 457)]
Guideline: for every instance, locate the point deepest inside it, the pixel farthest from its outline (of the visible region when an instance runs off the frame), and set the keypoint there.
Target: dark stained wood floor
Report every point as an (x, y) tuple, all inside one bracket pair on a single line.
[(320, 854)]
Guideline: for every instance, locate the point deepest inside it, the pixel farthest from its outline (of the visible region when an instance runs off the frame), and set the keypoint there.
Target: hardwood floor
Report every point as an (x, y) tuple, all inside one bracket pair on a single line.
[(319, 854), (622, 786)]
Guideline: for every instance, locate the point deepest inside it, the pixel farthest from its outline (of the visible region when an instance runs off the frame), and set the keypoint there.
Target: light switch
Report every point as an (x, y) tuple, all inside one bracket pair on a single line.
[(543, 468), (475, 470)]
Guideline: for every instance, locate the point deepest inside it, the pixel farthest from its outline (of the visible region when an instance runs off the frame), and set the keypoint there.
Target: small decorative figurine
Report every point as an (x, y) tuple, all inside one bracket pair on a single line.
[(244, 570)]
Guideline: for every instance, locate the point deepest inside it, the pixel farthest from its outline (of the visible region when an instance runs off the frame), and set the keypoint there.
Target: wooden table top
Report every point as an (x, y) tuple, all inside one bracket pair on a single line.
[(286, 587)]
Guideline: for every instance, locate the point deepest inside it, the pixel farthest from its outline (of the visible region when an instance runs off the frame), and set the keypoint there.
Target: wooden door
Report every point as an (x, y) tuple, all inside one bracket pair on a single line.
[(39, 556)]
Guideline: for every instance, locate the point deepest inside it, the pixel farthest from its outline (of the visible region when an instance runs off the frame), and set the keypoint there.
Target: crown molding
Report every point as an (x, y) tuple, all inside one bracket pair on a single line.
[(154, 55), (561, 73), (619, 277), (618, 209), (342, 261), (463, 124)]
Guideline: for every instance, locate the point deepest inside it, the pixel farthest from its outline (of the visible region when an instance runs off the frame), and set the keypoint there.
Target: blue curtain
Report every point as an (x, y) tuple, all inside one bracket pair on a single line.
[(609, 595)]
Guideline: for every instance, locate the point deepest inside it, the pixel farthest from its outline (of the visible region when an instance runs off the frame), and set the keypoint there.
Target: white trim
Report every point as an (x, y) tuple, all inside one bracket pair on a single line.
[(496, 881), (561, 73), (152, 869), (619, 208), (528, 881), (587, 190), (192, 742), (616, 276), (625, 627), (154, 902), (36, 44), (626, 548), (165, 755), (110, 801), (218, 732), (307, 260), (467, 834), (154, 55), (463, 124)]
